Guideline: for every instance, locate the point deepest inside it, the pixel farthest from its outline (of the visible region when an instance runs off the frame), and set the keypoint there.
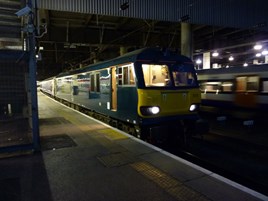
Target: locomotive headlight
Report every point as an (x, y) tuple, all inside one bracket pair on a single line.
[(193, 107), (154, 110), (149, 110)]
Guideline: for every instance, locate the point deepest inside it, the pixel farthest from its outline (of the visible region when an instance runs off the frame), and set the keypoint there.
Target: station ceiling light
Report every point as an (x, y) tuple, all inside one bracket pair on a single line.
[(258, 54), (257, 47), (264, 52), (215, 54), (231, 58), (198, 61)]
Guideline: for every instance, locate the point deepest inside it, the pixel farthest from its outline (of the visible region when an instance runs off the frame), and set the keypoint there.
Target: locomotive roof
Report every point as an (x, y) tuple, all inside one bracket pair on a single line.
[(144, 54)]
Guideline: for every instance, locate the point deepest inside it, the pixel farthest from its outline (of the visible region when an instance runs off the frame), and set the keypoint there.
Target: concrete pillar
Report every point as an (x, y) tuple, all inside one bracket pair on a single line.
[(186, 39), (206, 60), (123, 50), (266, 59)]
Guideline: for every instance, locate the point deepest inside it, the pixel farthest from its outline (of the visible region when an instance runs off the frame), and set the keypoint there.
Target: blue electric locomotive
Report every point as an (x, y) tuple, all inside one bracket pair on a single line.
[(148, 92)]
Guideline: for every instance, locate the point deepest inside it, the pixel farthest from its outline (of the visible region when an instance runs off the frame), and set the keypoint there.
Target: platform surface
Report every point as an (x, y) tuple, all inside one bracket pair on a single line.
[(82, 159)]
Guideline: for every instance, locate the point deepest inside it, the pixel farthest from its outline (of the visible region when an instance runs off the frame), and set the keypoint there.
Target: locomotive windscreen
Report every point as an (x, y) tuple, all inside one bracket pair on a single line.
[(156, 75)]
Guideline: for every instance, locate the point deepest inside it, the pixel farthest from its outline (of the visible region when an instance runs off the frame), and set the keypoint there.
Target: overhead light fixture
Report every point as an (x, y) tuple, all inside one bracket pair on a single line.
[(215, 54), (231, 58), (264, 52), (198, 61), (258, 54), (257, 47), (245, 64)]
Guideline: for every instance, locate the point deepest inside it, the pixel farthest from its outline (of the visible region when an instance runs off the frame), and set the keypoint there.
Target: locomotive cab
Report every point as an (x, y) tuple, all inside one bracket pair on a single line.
[(168, 89), (168, 99)]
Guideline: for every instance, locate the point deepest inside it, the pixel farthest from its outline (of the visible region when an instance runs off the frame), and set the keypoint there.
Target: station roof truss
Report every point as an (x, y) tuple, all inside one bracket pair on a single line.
[(79, 31)]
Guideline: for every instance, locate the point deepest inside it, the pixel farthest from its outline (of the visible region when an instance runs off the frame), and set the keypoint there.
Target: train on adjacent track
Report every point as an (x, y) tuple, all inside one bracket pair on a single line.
[(235, 88), (149, 93)]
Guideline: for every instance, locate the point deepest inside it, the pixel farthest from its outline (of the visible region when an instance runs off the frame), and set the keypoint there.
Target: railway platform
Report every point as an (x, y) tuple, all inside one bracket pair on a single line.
[(83, 159)]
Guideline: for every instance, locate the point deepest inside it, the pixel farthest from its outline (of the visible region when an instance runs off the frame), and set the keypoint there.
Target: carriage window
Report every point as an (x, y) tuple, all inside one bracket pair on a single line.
[(249, 83), (216, 86), (92, 83), (126, 75), (210, 87), (265, 86), (155, 75), (98, 82), (95, 82), (253, 83), (227, 86)]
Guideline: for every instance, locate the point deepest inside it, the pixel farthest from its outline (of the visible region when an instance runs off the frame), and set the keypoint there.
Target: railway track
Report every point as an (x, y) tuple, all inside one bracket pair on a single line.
[(240, 161)]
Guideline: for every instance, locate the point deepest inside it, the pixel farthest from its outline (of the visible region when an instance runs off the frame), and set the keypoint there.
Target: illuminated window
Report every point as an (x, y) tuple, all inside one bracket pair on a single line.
[(126, 75), (227, 86), (247, 84), (210, 87), (155, 75), (253, 83)]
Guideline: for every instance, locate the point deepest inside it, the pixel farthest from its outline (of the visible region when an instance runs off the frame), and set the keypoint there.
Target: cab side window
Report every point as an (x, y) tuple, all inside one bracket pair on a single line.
[(126, 75)]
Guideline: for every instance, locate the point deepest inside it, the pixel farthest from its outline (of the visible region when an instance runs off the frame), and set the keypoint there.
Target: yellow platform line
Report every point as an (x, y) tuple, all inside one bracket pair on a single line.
[(112, 134)]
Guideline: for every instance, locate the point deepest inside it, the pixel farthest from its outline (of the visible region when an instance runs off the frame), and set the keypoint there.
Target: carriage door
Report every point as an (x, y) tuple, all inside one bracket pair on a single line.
[(246, 91), (113, 89)]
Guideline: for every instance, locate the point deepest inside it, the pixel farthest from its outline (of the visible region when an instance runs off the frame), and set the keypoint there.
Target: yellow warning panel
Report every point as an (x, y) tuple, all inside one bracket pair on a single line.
[(112, 134), (172, 186)]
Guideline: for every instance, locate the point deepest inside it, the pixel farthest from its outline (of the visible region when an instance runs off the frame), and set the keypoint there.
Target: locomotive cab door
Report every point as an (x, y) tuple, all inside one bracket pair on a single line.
[(113, 89), (246, 91)]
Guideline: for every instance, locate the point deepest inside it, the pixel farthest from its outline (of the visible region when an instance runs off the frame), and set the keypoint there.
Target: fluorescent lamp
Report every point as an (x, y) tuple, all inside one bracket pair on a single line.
[(257, 47)]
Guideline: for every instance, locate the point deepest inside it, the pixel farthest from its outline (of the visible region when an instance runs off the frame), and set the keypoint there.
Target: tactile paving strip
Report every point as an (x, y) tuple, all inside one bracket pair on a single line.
[(169, 184)]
